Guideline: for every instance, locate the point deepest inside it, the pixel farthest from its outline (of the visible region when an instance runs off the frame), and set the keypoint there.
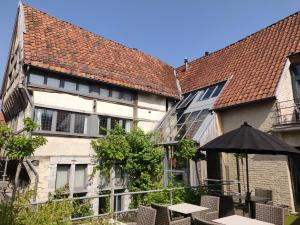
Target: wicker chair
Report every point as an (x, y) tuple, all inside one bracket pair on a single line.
[(145, 216), (213, 204), (163, 216), (269, 213), (264, 193), (204, 222)]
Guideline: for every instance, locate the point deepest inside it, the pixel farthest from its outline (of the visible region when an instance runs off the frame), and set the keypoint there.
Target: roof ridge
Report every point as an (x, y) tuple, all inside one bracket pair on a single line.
[(100, 36), (244, 38)]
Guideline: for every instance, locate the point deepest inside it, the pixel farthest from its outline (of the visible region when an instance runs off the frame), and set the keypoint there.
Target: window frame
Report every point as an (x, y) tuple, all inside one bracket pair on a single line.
[(72, 122), (94, 88)]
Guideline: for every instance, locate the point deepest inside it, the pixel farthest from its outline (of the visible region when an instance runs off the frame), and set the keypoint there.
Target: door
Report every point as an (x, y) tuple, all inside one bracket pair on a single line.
[(295, 175)]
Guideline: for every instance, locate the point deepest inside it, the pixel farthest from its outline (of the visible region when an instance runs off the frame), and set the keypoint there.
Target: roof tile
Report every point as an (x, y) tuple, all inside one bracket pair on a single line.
[(52, 44), (253, 64)]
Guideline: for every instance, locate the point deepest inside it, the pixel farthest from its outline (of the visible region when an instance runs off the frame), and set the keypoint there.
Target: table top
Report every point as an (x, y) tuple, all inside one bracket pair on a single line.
[(240, 220), (186, 208)]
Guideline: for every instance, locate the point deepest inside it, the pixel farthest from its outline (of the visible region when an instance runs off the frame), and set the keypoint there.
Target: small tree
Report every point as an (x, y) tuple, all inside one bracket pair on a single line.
[(134, 152), (21, 145)]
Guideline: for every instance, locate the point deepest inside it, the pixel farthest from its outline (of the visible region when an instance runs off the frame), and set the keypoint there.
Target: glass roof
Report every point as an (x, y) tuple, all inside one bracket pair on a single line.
[(186, 117)]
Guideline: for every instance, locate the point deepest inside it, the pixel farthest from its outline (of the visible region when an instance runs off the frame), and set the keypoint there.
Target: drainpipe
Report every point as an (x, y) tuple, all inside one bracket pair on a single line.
[(36, 177)]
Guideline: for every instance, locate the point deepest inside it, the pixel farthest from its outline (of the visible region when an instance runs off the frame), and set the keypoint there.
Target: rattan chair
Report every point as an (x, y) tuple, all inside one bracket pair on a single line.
[(163, 216), (269, 213), (145, 216), (213, 204), (203, 222), (264, 193)]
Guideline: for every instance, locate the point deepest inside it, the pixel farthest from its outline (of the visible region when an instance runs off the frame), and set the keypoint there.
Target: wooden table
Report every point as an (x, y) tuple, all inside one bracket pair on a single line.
[(240, 220), (186, 208)]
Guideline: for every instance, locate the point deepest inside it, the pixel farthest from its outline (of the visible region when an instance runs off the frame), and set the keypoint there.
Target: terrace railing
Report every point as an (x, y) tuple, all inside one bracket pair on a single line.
[(287, 113), (208, 189)]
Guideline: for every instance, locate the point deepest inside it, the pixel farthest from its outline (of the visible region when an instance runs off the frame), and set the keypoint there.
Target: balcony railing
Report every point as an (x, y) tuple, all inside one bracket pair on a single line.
[(287, 113)]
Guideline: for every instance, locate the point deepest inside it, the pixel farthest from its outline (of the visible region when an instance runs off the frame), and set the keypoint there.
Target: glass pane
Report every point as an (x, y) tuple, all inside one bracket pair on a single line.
[(297, 70), (80, 126), (126, 96), (102, 125), (208, 93), (70, 86), (218, 90), (84, 88), (62, 176), (114, 122), (95, 90), (43, 118), (201, 94), (104, 92), (186, 101), (196, 125), (80, 176), (115, 94), (53, 82), (63, 122), (128, 125), (36, 79)]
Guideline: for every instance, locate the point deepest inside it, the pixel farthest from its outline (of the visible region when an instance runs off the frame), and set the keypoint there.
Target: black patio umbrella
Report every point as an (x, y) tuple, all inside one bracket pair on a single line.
[(248, 140)]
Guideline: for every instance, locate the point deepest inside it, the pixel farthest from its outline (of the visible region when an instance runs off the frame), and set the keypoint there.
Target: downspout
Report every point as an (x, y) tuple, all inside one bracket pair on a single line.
[(30, 134)]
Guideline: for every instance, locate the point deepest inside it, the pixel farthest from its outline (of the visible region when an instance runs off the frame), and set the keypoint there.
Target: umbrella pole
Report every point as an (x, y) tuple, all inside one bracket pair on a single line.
[(247, 177)]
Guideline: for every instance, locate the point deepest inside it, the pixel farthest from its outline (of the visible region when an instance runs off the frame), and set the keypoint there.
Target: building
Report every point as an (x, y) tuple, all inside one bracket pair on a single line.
[(73, 82)]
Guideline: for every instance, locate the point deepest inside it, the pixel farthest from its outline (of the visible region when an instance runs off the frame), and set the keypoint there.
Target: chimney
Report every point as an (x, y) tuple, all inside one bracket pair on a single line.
[(206, 53), (186, 63)]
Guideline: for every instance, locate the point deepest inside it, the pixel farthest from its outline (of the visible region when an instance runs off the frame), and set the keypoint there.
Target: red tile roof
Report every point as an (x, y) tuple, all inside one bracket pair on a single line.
[(52, 44), (254, 64)]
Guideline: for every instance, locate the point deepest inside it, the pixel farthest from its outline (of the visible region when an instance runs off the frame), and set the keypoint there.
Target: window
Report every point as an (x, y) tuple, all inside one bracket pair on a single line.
[(95, 90), (43, 118), (80, 126), (208, 93), (218, 90), (111, 122), (103, 125), (62, 176), (63, 122), (80, 176), (186, 101), (70, 86), (53, 82), (114, 122), (104, 92), (84, 88), (126, 96), (126, 124), (115, 94), (196, 125), (36, 79)]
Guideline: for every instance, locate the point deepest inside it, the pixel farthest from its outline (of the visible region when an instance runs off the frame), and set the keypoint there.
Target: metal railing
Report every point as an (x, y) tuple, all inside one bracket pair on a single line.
[(287, 113), (207, 188)]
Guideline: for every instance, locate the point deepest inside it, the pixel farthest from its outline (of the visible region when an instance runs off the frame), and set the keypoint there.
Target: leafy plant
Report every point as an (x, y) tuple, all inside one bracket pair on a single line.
[(20, 146), (186, 149)]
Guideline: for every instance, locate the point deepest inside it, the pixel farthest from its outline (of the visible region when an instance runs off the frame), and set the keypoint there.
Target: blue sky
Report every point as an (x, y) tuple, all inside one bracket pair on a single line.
[(167, 29)]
